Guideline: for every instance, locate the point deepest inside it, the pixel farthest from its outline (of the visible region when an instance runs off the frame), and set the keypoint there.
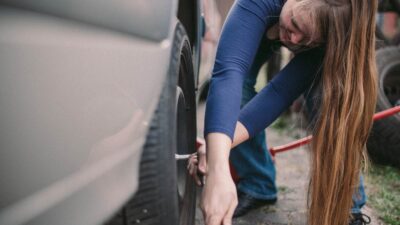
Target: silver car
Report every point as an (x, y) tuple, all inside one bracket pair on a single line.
[(96, 98)]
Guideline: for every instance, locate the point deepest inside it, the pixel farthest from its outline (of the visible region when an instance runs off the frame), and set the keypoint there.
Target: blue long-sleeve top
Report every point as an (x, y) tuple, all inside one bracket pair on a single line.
[(242, 32)]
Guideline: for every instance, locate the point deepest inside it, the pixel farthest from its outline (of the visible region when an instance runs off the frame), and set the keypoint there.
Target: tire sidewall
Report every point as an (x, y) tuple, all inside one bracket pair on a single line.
[(384, 141)]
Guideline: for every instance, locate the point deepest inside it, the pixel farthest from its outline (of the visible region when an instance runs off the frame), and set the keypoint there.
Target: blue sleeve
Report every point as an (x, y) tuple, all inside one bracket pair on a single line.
[(239, 41), (296, 78)]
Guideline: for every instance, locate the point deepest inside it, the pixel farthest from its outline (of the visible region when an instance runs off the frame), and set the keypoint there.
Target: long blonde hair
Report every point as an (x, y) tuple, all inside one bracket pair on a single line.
[(349, 90)]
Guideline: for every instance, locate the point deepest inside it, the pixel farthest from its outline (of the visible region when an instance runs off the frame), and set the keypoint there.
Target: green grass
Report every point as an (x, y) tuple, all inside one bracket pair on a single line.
[(384, 196), (280, 124)]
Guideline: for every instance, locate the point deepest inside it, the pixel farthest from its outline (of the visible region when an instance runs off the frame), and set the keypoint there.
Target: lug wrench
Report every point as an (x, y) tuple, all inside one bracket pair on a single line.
[(179, 157)]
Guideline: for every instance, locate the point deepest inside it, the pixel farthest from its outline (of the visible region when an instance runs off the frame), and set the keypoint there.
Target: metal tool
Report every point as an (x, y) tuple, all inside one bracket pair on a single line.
[(306, 140), (182, 157)]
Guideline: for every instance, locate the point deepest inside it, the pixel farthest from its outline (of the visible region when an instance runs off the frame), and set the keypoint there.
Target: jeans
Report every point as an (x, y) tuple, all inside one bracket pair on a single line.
[(252, 161)]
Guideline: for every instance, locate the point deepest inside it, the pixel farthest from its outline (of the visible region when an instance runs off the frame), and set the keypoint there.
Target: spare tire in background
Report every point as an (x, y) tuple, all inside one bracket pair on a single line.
[(384, 142)]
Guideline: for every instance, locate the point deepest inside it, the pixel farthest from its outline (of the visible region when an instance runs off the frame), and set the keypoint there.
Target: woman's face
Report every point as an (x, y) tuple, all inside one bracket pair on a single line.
[(294, 29)]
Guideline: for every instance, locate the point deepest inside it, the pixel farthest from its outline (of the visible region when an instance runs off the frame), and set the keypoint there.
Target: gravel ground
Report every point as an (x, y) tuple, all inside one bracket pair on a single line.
[(292, 178)]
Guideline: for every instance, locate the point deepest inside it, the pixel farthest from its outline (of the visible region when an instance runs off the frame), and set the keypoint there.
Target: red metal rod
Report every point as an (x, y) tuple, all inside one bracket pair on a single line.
[(308, 139), (386, 113), (292, 145)]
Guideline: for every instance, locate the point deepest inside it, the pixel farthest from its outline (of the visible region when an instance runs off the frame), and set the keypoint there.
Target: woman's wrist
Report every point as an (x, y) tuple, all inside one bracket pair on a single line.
[(217, 160), (218, 148), (220, 166)]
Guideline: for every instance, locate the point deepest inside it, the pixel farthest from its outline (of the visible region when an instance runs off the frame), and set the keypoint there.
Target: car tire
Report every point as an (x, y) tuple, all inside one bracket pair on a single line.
[(167, 195), (384, 142)]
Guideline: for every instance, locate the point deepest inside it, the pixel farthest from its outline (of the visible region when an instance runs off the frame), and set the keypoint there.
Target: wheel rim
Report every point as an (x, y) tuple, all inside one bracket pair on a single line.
[(181, 144), (184, 182), (185, 136)]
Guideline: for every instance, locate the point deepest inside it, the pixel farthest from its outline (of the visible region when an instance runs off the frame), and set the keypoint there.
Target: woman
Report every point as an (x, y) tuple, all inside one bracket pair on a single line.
[(342, 65)]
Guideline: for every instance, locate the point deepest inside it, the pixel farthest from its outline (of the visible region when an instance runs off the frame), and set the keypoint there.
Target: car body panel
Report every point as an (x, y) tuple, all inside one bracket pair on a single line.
[(85, 92), (146, 18)]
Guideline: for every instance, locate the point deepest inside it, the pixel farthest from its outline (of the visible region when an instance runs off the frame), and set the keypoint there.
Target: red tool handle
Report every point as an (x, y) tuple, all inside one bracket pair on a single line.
[(308, 139)]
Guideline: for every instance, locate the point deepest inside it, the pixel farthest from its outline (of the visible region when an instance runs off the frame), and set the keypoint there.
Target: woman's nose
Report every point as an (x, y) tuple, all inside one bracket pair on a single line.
[(296, 38)]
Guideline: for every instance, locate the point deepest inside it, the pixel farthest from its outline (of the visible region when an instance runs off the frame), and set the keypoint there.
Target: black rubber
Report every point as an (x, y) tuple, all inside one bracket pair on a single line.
[(157, 201), (186, 128), (274, 64), (384, 142)]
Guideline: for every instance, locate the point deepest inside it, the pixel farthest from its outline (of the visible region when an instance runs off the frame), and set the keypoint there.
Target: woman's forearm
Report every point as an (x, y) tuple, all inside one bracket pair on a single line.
[(241, 134), (219, 146)]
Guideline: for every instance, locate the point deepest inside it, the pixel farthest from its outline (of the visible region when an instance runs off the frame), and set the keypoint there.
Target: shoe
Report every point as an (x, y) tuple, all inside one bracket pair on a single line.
[(247, 203), (360, 219)]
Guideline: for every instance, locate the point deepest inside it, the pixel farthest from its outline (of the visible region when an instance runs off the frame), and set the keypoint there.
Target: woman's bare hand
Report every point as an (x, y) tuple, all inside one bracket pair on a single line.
[(197, 163), (219, 198)]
